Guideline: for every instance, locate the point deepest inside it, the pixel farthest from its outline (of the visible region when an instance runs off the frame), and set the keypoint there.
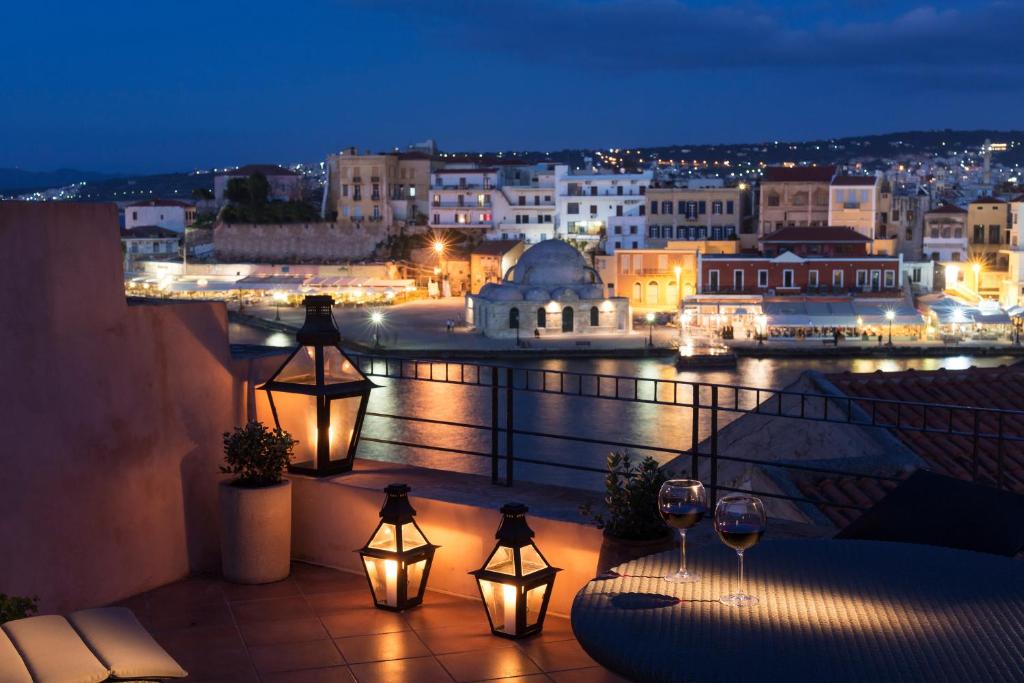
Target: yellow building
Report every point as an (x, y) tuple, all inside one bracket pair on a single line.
[(707, 213), (794, 196), (988, 231), (491, 260), (657, 279), (393, 188)]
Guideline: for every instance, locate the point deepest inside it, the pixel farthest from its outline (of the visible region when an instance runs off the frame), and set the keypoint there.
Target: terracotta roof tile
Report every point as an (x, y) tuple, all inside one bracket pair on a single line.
[(799, 174), (855, 180), (948, 208)]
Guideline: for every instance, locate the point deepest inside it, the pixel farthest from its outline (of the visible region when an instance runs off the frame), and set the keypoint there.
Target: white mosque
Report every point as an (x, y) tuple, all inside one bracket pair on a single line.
[(551, 291)]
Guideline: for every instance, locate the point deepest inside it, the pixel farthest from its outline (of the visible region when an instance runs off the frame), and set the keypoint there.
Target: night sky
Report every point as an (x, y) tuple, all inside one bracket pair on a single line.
[(151, 86)]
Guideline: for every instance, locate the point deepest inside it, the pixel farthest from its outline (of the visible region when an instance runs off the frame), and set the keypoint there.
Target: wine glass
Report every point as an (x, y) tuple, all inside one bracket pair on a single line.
[(682, 503), (740, 521)]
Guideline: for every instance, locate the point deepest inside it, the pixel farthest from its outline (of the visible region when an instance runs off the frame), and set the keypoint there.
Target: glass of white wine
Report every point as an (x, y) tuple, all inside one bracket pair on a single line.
[(682, 503), (740, 521)]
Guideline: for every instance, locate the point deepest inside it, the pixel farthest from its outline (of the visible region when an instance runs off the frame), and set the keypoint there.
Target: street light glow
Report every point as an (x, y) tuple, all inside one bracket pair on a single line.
[(376, 317), (438, 246), (890, 314), (650, 317)]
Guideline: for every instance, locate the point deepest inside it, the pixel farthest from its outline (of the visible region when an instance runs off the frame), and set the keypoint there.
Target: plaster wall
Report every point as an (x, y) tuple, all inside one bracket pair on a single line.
[(113, 416)]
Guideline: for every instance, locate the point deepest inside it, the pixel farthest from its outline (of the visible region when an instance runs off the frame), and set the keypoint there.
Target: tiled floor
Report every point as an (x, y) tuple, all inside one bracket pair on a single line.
[(318, 627)]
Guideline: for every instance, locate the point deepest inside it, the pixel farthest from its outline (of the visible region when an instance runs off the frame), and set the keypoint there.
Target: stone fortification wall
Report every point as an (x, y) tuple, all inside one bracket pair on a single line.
[(297, 242)]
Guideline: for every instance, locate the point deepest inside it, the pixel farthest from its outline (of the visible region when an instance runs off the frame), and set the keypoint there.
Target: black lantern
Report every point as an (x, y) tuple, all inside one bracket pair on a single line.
[(397, 557), (516, 581), (319, 396)]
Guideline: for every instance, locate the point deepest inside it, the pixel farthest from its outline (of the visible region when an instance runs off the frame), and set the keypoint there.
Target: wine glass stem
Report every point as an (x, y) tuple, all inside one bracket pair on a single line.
[(740, 553), (682, 551)]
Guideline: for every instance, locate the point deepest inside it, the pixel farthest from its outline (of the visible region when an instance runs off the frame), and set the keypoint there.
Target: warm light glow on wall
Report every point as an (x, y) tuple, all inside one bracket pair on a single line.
[(553, 307)]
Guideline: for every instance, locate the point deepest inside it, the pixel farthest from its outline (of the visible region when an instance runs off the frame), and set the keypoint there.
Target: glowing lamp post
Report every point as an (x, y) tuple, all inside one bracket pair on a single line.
[(279, 298), (398, 556), (650, 329), (890, 315), (516, 581), (376, 319), (319, 396)]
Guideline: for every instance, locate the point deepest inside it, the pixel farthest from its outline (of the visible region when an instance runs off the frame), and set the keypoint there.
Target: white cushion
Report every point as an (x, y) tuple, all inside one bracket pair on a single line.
[(53, 651), (123, 645), (12, 668)]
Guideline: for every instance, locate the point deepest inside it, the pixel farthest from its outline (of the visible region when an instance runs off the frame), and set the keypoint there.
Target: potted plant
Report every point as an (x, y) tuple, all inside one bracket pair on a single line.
[(256, 505), (14, 607), (632, 525)]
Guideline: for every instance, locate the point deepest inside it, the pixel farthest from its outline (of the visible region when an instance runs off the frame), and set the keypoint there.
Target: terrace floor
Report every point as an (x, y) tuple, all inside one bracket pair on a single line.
[(319, 626)]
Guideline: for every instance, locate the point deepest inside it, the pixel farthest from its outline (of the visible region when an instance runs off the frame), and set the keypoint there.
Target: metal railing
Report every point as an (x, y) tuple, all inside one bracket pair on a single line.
[(504, 383)]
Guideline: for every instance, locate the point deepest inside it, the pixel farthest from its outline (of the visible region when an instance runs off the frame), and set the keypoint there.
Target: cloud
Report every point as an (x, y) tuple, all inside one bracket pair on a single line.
[(676, 36)]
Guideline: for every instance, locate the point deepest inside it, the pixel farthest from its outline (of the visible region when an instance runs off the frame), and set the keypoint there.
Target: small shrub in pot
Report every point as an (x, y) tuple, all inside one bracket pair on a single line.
[(256, 455)]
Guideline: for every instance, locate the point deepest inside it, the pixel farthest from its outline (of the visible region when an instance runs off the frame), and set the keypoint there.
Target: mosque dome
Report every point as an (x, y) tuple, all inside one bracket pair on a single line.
[(551, 263), (590, 292), (565, 294), (537, 294), (495, 292)]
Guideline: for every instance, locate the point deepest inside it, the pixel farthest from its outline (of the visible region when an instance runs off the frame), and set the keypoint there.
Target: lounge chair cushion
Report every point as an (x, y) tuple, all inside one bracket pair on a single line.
[(53, 651), (123, 644), (12, 668)]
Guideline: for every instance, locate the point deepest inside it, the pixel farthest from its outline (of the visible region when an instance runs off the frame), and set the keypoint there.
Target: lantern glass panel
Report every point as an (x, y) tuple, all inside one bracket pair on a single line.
[(415, 574), (344, 414), (534, 603), (385, 538), (383, 575), (412, 538), (531, 559), (500, 600), (338, 369), (296, 414), (501, 561), (300, 369)]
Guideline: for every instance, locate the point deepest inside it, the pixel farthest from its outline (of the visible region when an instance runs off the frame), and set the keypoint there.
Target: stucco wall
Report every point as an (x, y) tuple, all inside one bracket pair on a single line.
[(113, 416), (318, 242)]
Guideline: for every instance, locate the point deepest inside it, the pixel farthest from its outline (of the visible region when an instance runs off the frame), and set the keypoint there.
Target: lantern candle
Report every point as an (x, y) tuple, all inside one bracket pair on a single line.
[(391, 582), (509, 608)]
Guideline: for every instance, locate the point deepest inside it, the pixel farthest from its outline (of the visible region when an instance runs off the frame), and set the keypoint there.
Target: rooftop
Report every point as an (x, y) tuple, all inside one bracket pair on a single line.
[(496, 247), (855, 180), (948, 208), (799, 174), (264, 169), (160, 202), (831, 233), (988, 200), (148, 232)]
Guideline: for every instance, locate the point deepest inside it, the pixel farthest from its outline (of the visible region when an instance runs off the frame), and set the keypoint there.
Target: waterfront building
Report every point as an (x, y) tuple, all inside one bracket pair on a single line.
[(682, 213), (656, 279), (285, 184), (170, 214), (988, 231), (489, 261), (789, 273), (146, 242), (945, 234), (551, 291), (1011, 290), (588, 198), (388, 188), (794, 196), (628, 231), (854, 201)]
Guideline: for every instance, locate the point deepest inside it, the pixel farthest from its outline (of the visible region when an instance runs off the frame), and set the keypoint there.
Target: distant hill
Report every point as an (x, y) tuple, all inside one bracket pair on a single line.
[(25, 181)]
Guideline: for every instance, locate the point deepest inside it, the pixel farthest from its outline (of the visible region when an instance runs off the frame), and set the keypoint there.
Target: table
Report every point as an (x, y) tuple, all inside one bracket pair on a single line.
[(835, 611)]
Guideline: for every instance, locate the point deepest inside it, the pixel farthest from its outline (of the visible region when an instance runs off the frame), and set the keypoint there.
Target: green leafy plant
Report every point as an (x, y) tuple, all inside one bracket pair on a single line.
[(256, 455), (631, 499), (13, 607)]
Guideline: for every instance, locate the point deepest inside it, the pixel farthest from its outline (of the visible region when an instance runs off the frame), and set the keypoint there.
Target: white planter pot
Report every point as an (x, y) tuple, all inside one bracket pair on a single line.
[(256, 532)]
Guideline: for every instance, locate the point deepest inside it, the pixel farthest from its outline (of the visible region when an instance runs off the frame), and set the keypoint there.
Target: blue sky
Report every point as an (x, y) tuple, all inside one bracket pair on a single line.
[(151, 86)]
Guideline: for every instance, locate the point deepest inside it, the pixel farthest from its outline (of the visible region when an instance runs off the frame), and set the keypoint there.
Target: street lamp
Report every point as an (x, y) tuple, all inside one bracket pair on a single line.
[(319, 396), (890, 315), (650, 329), (1018, 323), (279, 298), (376, 319)]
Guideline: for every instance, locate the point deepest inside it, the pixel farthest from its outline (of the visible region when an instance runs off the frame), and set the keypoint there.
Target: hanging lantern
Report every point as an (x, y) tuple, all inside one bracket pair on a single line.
[(319, 396), (516, 581), (397, 557)]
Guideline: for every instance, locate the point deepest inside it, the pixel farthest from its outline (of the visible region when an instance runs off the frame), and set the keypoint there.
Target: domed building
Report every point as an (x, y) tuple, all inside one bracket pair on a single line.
[(550, 291)]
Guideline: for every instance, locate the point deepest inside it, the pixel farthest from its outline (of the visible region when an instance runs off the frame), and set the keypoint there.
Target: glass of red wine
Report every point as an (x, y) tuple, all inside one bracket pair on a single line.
[(740, 520), (682, 503)]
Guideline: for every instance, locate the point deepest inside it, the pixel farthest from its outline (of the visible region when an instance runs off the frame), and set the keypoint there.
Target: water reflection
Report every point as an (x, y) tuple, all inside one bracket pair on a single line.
[(643, 428)]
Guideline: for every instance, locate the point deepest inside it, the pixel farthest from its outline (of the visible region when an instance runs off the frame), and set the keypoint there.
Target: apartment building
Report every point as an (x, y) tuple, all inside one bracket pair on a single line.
[(794, 196), (587, 199), (676, 213), (498, 201), (988, 231), (856, 202), (656, 280), (823, 241), (491, 260), (945, 234), (170, 214), (390, 188)]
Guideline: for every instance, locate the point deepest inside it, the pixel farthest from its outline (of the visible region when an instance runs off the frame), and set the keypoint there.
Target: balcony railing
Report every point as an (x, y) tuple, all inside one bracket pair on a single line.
[(508, 391)]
